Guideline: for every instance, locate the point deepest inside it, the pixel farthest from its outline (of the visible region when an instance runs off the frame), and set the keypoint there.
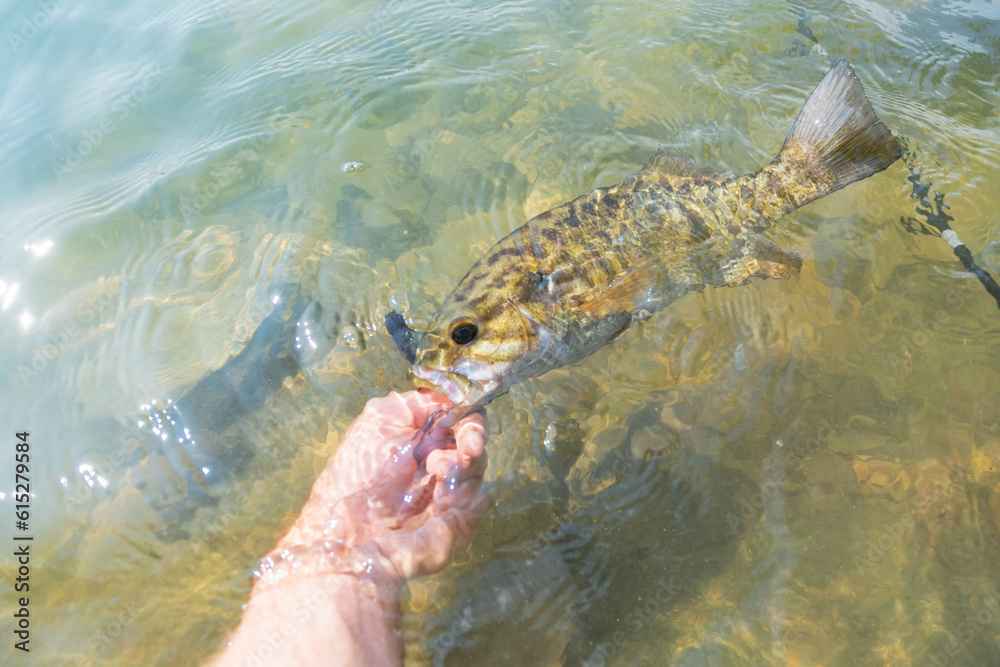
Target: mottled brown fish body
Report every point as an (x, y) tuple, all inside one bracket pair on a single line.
[(575, 277)]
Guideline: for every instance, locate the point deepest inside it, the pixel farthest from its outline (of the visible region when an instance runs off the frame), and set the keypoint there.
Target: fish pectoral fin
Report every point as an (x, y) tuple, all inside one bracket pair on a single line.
[(762, 260), (628, 292)]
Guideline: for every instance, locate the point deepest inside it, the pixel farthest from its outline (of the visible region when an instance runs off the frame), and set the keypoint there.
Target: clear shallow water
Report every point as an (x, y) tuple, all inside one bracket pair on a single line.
[(799, 472)]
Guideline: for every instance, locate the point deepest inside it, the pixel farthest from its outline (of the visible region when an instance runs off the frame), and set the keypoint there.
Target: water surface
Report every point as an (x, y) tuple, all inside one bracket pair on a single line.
[(796, 472)]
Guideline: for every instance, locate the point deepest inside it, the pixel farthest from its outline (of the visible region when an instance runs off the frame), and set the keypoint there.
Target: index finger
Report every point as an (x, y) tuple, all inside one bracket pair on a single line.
[(423, 403), (468, 458), (471, 434)]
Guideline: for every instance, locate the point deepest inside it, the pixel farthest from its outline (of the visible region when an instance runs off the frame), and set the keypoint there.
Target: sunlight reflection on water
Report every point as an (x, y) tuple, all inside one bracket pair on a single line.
[(793, 472)]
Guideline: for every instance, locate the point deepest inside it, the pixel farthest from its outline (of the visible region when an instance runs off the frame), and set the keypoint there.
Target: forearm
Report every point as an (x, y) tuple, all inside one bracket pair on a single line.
[(319, 620), (328, 594)]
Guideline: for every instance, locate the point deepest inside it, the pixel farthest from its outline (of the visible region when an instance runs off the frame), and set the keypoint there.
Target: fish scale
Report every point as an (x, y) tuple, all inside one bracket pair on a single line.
[(574, 278)]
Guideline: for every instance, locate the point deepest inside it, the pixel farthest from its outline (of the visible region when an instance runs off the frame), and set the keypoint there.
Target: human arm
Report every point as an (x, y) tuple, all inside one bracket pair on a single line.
[(329, 592)]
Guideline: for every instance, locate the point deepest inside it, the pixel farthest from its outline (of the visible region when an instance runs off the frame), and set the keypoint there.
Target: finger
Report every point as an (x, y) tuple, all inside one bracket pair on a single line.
[(392, 411), (459, 524), (441, 461), (422, 404), (422, 551), (431, 547), (431, 440), (386, 422), (452, 466), (468, 496), (469, 454), (402, 412), (454, 492), (416, 498), (368, 460), (472, 433)]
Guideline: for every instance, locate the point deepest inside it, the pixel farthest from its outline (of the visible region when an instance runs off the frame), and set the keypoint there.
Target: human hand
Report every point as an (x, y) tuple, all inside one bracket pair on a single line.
[(394, 502)]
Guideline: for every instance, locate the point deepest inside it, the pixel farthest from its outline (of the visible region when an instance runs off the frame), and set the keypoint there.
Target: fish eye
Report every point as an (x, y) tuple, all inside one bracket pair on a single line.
[(464, 332)]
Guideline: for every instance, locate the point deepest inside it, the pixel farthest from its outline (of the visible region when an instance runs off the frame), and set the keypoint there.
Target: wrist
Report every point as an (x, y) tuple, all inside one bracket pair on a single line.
[(322, 588), (363, 568)]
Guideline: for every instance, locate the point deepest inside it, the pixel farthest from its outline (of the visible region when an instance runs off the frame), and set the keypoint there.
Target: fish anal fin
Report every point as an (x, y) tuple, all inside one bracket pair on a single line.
[(761, 259), (773, 262), (628, 292)]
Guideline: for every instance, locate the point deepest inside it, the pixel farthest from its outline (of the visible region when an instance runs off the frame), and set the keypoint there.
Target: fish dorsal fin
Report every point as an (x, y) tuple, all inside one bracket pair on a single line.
[(628, 292), (665, 163)]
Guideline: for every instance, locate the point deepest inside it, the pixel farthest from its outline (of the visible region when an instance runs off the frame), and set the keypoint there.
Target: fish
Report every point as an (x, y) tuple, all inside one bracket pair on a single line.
[(576, 277)]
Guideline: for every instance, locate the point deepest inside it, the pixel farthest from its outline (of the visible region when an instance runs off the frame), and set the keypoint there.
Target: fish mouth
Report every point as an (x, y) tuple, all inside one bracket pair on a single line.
[(470, 387)]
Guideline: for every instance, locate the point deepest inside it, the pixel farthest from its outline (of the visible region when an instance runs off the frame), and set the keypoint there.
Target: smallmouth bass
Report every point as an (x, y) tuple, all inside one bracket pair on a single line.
[(574, 278)]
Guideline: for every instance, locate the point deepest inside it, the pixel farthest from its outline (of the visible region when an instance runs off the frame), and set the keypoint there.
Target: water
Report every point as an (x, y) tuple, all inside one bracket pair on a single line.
[(797, 472)]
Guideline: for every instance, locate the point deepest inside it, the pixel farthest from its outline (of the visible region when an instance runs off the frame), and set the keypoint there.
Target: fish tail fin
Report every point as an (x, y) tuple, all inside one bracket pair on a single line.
[(837, 138)]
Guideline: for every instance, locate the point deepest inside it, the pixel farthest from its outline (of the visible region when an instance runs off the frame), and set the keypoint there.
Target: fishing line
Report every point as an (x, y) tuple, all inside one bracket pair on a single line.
[(936, 221)]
